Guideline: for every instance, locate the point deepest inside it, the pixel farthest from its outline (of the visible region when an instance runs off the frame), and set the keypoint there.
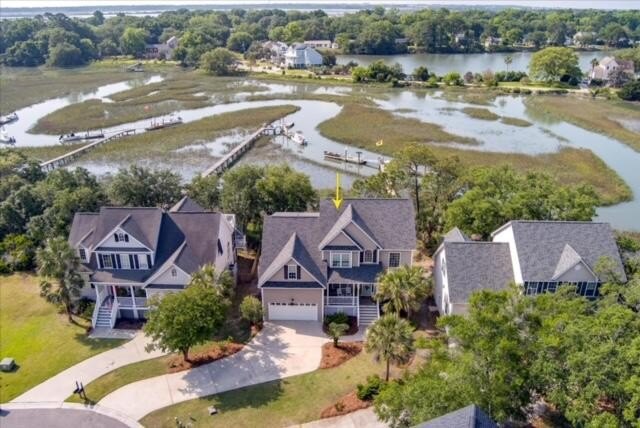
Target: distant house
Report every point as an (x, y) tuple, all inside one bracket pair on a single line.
[(491, 42), (608, 65), (129, 254), (468, 417), (300, 55), (537, 255), (161, 50), (584, 38), (277, 49), (321, 44), (314, 264)]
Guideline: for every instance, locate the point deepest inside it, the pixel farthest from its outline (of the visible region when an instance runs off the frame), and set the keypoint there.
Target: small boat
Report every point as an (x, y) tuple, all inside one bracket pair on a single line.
[(344, 158), (5, 138), (297, 137), (164, 123), (11, 117), (70, 138), (289, 125)]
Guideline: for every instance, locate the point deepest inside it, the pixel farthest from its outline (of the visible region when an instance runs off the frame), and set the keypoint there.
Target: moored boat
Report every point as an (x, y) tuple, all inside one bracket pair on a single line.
[(5, 138), (344, 158), (89, 135), (164, 123), (11, 117), (289, 125), (297, 137)]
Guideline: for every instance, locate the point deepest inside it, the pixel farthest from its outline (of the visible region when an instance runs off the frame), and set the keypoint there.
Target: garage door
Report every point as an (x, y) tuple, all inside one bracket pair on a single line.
[(296, 311)]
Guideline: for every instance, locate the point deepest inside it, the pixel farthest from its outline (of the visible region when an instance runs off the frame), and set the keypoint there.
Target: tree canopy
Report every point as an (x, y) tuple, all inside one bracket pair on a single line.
[(555, 64)]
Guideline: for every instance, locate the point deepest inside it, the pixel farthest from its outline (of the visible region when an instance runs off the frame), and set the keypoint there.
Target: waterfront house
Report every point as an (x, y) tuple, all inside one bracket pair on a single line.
[(539, 256), (321, 44), (161, 50), (318, 263), (608, 65), (130, 254), (277, 50), (300, 55)]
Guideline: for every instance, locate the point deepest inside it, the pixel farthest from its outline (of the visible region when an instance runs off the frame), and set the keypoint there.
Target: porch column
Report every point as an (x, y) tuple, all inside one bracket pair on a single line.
[(133, 299), (114, 294)]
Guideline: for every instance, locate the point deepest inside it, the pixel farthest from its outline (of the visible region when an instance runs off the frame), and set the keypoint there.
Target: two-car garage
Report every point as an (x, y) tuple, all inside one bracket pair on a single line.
[(292, 304)]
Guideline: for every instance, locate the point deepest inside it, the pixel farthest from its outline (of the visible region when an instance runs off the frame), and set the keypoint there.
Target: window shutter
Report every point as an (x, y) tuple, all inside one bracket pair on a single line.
[(115, 236), (113, 261), (126, 237), (131, 264), (118, 265), (135, 262), (286, 272), (297, 272), (375, 256), (100, 261), (361, 256), (148, 261)]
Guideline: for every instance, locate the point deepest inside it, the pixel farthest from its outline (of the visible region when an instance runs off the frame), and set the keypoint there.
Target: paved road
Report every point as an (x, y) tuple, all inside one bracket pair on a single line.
[(61, 386), (281, 350), (61, 415)]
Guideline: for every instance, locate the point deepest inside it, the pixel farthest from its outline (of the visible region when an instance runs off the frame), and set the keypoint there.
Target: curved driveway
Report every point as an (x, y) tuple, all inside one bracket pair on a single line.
[(280, 350)]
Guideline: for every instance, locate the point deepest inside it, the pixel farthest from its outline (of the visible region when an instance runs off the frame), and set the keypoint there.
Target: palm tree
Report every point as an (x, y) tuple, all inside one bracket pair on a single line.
[(594, 63), (390, 339), (336, 331), (58, 265), (403, 289), (207, 276), (508, 60)]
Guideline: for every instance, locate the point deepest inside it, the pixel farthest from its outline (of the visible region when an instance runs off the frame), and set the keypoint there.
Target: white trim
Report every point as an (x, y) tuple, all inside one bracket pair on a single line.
[(366, 234), (289, 271), (261, 281), (555, 277), (161, 271)]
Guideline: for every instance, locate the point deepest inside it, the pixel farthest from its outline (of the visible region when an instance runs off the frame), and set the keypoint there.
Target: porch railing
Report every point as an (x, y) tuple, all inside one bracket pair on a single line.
[(127, 302), (341, 300), (114, 313)]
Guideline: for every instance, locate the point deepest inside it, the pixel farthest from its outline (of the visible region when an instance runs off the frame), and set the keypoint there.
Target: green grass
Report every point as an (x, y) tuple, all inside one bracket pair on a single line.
[(40, 339), (601, 116), (480, 113), (363, 126), (514, 121), (281, 403)]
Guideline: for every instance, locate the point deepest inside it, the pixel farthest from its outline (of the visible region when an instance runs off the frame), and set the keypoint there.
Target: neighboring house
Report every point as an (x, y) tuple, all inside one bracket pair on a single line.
[(584, 38), (329, 261), (300, 55), (468, 417), (491, 42), (161, 50), (277, 49), (321, 44), (607, 65), (130, 254), (537, 255)]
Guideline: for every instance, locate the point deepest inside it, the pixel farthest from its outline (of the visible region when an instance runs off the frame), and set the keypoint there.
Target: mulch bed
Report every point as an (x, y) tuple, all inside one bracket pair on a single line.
[(334, 356), (127, 324), (353, 327), (197, 359), (347, 404)]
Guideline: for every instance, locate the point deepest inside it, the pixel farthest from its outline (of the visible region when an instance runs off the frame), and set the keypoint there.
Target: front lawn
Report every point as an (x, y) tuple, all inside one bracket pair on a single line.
[(40, 339), (289, 401)]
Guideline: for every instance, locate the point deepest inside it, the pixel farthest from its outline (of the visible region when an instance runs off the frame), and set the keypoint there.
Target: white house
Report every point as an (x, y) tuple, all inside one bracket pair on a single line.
[(608, 65), (277, 49), (161, 50), (536, 255), (300, 55), (130, 254)]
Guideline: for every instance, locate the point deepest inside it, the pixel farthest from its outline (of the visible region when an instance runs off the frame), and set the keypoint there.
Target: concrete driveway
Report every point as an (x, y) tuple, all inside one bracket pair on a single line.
[(282, 349), (361, 418), (61, 386)]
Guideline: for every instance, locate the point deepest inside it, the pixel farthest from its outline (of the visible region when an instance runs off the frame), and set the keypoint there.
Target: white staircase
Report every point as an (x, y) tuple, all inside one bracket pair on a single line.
[(368, 314), (105, 312)]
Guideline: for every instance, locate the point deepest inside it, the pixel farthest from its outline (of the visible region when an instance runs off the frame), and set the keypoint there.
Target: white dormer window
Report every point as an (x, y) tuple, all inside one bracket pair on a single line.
[(121, 237), (82, 253), (174, 272), (292, 272), (340, 260), (368, 256)]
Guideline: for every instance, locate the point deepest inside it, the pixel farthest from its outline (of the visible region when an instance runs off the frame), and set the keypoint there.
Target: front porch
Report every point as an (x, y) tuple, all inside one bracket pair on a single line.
[(352, 299), (118, 301)]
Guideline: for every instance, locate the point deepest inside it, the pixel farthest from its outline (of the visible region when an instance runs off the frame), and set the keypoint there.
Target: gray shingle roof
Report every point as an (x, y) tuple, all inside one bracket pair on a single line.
[(362, 274), (455, 235), (187, 204), (473, 266), (82, 228), (141, 223), (468, 417), (540, 245), (291, 284)]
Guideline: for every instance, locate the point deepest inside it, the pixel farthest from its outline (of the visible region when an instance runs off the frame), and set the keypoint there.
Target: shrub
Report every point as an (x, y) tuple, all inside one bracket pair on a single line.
[(84, 308), (337, 318), (370, 389), (630, 91), (251, 310), (336, 331)]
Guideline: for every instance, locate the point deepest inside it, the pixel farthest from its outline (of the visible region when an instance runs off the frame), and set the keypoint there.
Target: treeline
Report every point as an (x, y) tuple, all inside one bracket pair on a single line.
[(37, 206), (62, 41)]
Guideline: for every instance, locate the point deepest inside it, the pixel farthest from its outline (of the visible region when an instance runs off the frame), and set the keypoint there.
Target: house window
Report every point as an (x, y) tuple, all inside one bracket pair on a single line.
[(340, 260), (394, 260), (341, 290), (121, 237), (443, 267), (82, 253), (292, 272), (107, 261), (142, 261), (368, 256), (174, 272), (124, 261)]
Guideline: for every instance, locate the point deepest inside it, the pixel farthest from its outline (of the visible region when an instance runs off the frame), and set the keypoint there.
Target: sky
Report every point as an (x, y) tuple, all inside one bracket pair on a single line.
[(607, 4)]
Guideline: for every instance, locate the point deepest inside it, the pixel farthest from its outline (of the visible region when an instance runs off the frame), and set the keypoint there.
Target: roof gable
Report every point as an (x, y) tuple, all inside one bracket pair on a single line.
[(294, 250), (141, 223), (186, 204)]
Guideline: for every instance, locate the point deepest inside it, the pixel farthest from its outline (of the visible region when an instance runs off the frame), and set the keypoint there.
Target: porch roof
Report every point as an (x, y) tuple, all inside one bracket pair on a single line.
[(120, 276), (165, 286), (291, 284), (363, 274), (342, 248)]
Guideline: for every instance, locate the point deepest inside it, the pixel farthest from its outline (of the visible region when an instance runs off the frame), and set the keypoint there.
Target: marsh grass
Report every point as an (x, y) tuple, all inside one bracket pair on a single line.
[(480, 113), (601, 116), (514, 121)]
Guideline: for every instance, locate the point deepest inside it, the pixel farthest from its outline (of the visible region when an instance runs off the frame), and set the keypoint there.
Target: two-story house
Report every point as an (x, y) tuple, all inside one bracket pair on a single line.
[(539, 256), (300, 55), (317, 263), (130, 254)]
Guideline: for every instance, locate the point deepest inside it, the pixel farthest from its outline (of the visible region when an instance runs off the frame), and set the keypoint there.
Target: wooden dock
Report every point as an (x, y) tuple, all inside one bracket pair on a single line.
[(62, 160), (236, 153)]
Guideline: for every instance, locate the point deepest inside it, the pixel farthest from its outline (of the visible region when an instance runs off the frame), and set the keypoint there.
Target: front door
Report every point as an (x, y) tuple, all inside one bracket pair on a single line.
[(367, 290)]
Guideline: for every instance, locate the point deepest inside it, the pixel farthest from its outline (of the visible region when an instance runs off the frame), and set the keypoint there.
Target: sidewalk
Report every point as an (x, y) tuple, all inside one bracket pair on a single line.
[(281, 350), (61, 386), (361, 418)]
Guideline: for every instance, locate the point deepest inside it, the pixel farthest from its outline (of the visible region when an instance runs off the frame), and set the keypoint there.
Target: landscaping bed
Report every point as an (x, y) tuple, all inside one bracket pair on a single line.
[(353, 326), (347, 404), (209, 355), (333, 356)]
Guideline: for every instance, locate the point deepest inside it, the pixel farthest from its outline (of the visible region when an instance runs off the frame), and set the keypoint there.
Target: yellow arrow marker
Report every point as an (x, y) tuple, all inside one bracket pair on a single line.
[(337, 201)]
